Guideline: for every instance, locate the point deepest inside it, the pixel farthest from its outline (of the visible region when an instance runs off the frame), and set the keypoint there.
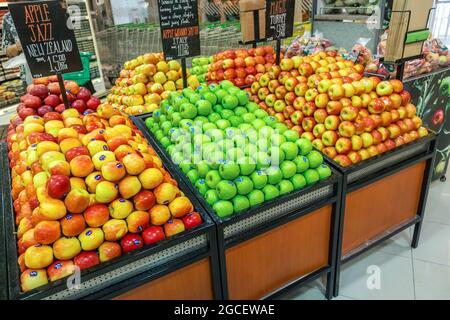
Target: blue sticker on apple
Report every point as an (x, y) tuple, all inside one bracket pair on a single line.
[(93, 139), (122, 200), (102, 131), (136, 242), (58, 266), (102, 157), (239, 179), (201, 181), (98, 177), (33, 274), (89, 232), (119, 165), (230, 182), (68, 217), (105, 148), (116, 186)]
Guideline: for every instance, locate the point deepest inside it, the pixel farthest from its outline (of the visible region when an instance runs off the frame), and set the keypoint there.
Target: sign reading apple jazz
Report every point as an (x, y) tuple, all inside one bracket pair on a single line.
[(279, 19), (46, 37), (178, 20)]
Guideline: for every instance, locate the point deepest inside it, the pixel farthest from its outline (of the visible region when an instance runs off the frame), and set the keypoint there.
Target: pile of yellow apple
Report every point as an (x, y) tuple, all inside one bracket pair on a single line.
[(145, 82), (87, 189)]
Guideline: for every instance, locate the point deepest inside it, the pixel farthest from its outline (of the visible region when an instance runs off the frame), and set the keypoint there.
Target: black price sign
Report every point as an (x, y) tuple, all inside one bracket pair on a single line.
[(47, 40), (179, 28), (279, 19)]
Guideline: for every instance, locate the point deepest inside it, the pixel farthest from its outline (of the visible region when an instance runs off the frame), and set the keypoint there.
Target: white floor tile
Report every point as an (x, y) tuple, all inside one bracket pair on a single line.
[(394, 273), (438, 203), (400, 245), (432, 281), (434, 244), (306, 293)]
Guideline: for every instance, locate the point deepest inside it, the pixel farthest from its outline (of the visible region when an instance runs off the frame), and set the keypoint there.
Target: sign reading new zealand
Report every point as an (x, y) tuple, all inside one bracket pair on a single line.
[(46, 36)]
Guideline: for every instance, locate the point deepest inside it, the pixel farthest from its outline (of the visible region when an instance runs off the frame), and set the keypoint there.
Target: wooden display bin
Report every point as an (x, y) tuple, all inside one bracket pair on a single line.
[(280, 244), (382, 197), (185, 266)]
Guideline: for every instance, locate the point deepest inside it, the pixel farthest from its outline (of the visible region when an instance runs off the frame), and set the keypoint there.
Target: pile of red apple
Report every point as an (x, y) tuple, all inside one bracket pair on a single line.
[(87, 189), (348, 117), (241, 66), (44, 95)]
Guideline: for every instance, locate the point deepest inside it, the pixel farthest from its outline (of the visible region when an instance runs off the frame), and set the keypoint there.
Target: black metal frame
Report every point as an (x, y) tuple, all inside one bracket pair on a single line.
[(3, 262), (124, 282), (429, 143), (222, 223)]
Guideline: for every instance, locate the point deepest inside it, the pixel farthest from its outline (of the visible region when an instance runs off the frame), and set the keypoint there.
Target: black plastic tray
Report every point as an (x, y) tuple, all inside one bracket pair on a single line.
[(123, 273), (246, 224)]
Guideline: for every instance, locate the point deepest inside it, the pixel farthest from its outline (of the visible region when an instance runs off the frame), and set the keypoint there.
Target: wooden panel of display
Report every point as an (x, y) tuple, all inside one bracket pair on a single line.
[(265, 263), (193, 282), (380, 206)]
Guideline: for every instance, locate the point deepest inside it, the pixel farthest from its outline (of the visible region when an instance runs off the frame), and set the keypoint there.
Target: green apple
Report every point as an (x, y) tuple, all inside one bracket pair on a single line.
[(193, 175), (270, 121), (262, 160), (202, 169), (291, 135), (225, 145), (226, 114), (245, 127), (226, 84), (285, 187), (215, 134), (277, 155), (215, 159), (270, 192), (246, 165), (239, 141), (260, 114), (311, 176), (170, 149), (213, 117), (262, 144), (259, 179), (234, 154), (298, 181), (223, 124), (201, 186), (240, 203), (226, 189), (186, 124), (186, 167), (258, 124), (248, 117), (179, 101), (159, 134), (212, 179), (187, 92), (213, 87), (156, 114), (165, 127), (280, 127), (176, 118), (315, 159), (211, 196), (324, 171), (204, 107), (194, 98), (229, 102), (202, 89), (266, 132), (256, 197), (218, 108), (150, 121), (277, 139), (229, 170), (235, 120), (274, 175), (208, 126), (240, 111), (223, 208), (290, 150), (243, 97), (305, 146), (220, 94), (252, 107), (289, 169), (302, 163), (244, 185), (165, 142), (210, 97), (250, 150), (233, 91), (252, 135), (162, 118)]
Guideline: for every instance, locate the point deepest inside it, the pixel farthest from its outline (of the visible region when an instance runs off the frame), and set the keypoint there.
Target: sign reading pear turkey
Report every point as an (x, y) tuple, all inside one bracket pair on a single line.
[(47, 38), (279, 19), (180, 36)]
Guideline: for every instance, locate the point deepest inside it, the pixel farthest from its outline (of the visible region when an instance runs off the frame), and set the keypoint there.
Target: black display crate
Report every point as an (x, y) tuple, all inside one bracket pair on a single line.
[(375, 169), (240, 227), (129, 271)]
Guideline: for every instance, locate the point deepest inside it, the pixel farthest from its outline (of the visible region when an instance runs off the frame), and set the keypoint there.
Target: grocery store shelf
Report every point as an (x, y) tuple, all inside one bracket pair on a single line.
[(3, 4)]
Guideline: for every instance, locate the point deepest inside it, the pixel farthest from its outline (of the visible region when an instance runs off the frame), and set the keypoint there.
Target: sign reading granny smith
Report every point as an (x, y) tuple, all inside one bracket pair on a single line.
[(178, 20), (279, 19), (47, 40)]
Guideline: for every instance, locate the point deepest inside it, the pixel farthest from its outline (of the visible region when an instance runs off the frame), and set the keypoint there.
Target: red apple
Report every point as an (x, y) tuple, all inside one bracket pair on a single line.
[(86, 259), (58, 186), (131, 242), (153, 234)]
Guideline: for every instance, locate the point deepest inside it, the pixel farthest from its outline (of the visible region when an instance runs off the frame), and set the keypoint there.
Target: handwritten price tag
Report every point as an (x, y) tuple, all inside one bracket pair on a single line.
[(279, 19)]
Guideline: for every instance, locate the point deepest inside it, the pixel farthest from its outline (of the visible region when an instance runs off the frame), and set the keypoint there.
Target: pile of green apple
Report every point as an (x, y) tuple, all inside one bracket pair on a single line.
[(236, 154), (200, 67)]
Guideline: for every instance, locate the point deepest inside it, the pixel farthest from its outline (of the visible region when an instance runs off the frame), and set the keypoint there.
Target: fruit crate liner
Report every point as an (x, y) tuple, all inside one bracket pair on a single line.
[(164, 256), (372, 166), (238, 225)]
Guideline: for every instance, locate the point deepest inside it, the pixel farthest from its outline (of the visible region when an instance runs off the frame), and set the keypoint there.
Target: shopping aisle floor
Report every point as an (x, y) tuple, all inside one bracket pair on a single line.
[(404, 273)]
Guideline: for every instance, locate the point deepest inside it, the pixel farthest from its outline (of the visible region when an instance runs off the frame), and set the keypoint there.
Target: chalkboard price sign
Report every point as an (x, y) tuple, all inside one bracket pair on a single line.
[(47, 40), (279, 19), (179, 28)]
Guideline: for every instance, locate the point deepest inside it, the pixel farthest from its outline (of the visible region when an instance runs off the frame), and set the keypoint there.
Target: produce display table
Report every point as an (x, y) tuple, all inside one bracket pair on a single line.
[(182, 267), (383, 196), (269, 249), (431, 94)]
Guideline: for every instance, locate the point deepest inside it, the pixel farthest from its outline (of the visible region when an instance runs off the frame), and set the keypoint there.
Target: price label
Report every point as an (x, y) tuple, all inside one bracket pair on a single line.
[(47, 40), (178, 20), (279, 19)]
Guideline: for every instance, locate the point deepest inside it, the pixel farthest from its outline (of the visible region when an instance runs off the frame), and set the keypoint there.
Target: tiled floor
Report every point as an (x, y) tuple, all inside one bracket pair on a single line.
[(403, 273)]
